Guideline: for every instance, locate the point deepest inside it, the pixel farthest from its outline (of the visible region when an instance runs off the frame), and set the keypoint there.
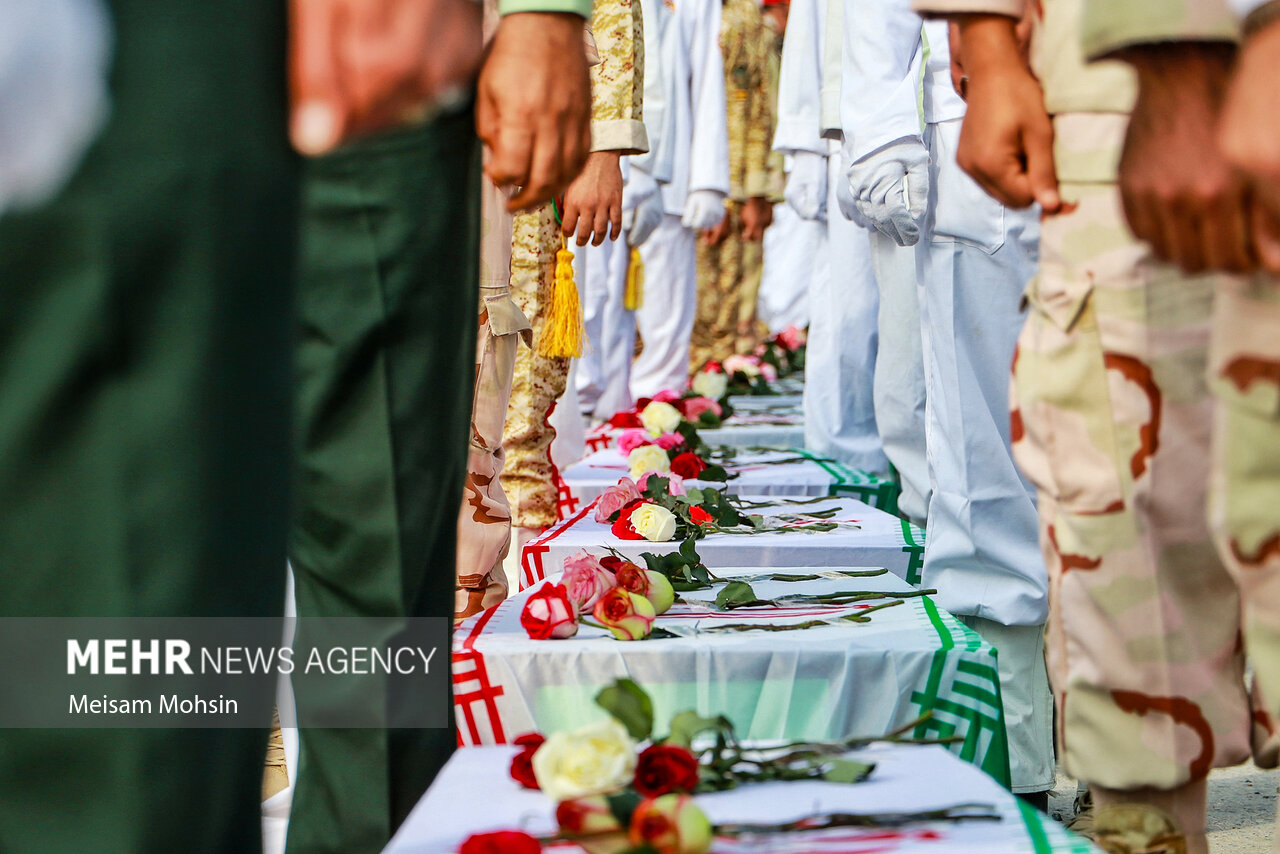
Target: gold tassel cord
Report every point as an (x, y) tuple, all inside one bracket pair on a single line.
[(633, 296), (563, 332)]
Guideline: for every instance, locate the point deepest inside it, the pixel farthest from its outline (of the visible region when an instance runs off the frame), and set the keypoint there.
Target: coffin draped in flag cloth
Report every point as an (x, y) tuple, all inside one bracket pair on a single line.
[(836, 680), (741, 430), (757, 471), (475, 794), (860, 535)]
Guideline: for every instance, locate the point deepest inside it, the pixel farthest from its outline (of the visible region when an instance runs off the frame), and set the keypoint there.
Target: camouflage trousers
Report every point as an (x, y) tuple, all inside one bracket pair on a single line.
[(1111, 422), (528, 477), (725, 274), (1245, 487), (484, 521)]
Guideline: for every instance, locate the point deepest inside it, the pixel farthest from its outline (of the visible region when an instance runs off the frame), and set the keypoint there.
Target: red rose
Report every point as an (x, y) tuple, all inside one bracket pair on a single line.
[(501, 842), (688, 465), (665, 768), (700, 516), (522, 762), (586, 816), (613, 563), (633, 579), (622, 525), (549, 613), (625, 420)]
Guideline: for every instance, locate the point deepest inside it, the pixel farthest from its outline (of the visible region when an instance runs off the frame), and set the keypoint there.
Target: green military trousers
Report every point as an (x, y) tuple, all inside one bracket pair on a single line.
[(386, 356), (144, 414)]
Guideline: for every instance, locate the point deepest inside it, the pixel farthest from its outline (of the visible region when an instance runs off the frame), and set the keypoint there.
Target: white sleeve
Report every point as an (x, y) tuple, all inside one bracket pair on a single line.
[(1243, 8), (709, 152), (657, 111), (800, 81), (880, 91)]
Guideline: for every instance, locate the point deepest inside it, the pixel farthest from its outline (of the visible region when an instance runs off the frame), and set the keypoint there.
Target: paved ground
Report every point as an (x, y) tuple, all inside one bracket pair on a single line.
[(1242, 808)]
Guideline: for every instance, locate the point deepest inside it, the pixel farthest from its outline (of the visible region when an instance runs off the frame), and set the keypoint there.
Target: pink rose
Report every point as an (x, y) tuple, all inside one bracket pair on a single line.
[(548, 613), (617, 497), (675, 483), (769, 372), (667, 441), (586, 580), (632, 439), (666, 396), (695, 406), (792, 338)]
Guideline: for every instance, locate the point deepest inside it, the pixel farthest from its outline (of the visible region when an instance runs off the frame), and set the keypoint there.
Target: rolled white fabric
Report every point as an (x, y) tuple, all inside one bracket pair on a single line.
[(54, 59)]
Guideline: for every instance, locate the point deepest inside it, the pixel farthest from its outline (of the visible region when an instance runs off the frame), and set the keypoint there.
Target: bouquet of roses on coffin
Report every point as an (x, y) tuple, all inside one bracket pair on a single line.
[(785, 351), (619, 787), (745, 375), (704, 404)]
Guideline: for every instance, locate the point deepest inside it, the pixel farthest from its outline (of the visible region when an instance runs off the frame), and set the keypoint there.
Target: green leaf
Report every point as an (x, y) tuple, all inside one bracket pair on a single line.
[(659, 633), (735, 592), (630, 706), (847, 771), (689, 551), (688, 725), (623, 805)]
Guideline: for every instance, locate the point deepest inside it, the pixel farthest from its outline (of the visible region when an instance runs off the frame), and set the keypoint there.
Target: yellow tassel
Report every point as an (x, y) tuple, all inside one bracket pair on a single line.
[(563, 333), (633, 296)]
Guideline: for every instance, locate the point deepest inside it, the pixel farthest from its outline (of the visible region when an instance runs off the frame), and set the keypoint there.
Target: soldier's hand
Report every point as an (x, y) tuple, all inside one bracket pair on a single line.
[(593, 202), (717, 234), (533, 106), (362, 66), (1006, 142), (757, 215), (1179, 193), (1250, 137)]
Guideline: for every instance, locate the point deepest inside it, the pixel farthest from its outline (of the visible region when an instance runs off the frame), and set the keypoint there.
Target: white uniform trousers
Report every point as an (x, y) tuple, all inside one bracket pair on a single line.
[(899, 377), (982, 550), (604, 371), (665, 319), (840, 361), (795, 252)]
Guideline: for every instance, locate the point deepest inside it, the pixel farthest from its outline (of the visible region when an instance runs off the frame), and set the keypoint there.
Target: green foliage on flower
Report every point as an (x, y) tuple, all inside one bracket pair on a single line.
[(628, 703), (683, 568)]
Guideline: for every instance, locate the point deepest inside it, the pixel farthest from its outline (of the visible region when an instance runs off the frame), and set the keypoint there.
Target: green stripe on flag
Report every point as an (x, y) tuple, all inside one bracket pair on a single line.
[(1035, 830), (915, 550)]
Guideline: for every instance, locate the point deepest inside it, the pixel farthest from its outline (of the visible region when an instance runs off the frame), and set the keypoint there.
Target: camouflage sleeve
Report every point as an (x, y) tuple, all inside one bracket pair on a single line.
[(760, 119), (617, 83), (1110, 26), (1012, 8)]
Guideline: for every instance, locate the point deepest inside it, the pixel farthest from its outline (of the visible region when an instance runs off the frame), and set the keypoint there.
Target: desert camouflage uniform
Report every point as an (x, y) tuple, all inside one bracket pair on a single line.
[(1244, 372), (724, 270), (1111, 423), (616, 125)]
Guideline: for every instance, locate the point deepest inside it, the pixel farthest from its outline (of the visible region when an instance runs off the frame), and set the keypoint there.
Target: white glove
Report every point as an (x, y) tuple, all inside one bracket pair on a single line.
[(54, 59), (642, 210), (891, 189), (806, 190), (648, 216), (703, 209)]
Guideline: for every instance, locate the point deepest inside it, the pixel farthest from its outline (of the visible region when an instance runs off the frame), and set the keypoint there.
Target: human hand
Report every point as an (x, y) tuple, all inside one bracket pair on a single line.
[(757, 215), (806, 189), (1179, 192), (533, 105), (891, 189), (361, 66), (717, 234), (593, 202), (1006, 141), (1249, 135)]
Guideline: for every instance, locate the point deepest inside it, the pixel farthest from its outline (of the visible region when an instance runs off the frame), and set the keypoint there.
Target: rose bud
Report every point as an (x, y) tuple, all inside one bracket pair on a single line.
[(622, 527), (597, 759), (661, 594), (613, 563), (660, 417), (688, 465), (614, 498), (549, 613), (710, 384), (671, 824), (585, 580), (632, 579), (667, 441), (665, 768), (695, 406), (667, 395), (629, 440), (522, 762), (501, 842), (586, 816), (699, 516), (628, 616), (625, 420)]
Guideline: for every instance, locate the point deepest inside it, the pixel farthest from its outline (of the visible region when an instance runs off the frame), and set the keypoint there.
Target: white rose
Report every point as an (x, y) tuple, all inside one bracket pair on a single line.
[(648, 458), (659, 418), (656, 524), (595, 760), (711, 385)]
